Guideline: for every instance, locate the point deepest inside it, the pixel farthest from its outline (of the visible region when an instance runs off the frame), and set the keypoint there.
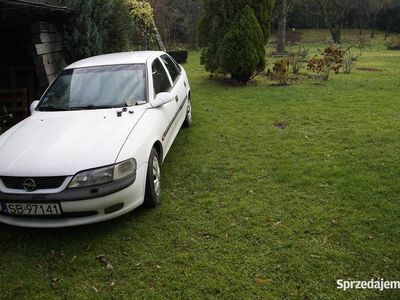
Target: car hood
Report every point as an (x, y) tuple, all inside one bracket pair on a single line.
[(64, 143)]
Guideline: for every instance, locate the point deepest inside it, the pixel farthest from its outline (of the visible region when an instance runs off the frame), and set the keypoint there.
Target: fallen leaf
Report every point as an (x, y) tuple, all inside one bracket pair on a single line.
[(261, 281), (206, 235), (54, 282), (72, 260), (335, 222), (158, 267), (103, 259)]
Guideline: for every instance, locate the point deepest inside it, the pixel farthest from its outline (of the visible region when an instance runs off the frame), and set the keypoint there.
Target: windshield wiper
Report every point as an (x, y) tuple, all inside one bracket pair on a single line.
[(51, 108), (93, 107)]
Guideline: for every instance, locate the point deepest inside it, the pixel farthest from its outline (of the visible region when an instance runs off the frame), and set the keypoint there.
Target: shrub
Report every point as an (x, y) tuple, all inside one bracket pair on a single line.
[(281, 72), (97, 27), (142, 20), (296, 59), (394, 43), (332, 60), (242, 53), (221, 36), (347, 63), (180, 56), (293, 37)]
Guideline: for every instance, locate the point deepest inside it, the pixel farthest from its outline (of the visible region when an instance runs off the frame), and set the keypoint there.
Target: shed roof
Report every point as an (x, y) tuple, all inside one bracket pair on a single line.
[(51, 4), (26, 11)]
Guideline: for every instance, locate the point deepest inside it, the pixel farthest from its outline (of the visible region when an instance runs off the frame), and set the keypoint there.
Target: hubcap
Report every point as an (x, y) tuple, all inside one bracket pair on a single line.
[(157, 177), (189, 111)]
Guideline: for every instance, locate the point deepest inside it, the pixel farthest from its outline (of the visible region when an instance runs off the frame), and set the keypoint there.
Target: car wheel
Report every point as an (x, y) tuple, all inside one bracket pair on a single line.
[(189, 118), (153, 181)]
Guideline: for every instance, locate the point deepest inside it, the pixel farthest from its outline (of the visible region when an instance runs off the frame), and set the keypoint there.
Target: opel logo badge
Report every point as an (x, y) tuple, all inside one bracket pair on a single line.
[(29, 185)]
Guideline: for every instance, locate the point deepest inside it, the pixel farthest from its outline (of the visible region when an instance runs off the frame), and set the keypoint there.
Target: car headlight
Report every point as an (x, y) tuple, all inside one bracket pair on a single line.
[(104, 175)]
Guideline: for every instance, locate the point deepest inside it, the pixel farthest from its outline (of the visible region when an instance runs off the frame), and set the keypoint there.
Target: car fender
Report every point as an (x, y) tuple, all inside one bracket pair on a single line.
[(147, 132)]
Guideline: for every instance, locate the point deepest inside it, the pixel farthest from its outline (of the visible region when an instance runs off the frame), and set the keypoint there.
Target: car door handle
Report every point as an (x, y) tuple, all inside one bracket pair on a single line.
[(176, 98)]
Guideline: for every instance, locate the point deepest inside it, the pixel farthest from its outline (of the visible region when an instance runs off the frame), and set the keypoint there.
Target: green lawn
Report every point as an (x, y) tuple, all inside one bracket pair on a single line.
[(250, 210)]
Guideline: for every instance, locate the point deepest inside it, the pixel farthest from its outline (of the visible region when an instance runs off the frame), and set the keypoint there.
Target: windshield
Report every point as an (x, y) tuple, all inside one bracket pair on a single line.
[(96, 88)]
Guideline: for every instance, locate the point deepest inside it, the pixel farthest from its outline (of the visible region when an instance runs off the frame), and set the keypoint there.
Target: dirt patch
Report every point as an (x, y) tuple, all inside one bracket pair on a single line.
[(370, 69), (277, 85), (317, 84), (281, 124), (227, 81)]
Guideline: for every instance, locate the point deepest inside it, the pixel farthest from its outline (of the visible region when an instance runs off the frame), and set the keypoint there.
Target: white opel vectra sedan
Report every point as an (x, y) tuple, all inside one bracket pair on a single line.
[(93, 147)]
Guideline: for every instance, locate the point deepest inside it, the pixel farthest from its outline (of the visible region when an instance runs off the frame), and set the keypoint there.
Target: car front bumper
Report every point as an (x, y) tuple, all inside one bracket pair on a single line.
[(81, 207)]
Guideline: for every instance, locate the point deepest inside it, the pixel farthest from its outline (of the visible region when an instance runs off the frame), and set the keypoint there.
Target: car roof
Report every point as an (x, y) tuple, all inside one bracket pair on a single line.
[(137, 57)]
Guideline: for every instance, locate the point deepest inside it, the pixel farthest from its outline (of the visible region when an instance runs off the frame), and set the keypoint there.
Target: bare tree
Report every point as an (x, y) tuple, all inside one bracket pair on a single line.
[(282, 10), (374, 7), (177, 20), (333, 12), (282, 15)]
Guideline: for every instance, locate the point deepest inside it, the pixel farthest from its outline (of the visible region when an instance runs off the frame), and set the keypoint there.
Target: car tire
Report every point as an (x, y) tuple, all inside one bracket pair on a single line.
[(153, 181), (189, 118)]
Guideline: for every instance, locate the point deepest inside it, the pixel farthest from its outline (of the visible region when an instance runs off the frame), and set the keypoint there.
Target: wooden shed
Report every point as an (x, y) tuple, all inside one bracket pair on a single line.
[(31, 50)]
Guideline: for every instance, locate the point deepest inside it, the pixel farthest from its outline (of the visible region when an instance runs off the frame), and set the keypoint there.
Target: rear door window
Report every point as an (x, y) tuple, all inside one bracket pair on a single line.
[(161, 82), (172, 68)]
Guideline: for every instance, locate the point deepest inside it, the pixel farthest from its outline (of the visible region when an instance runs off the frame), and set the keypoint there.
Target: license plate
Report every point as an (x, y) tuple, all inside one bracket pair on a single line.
[(30, 209)]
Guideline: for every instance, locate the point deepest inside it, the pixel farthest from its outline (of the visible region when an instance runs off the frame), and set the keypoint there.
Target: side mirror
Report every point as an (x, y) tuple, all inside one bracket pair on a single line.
[(161, 99), (33, 106)]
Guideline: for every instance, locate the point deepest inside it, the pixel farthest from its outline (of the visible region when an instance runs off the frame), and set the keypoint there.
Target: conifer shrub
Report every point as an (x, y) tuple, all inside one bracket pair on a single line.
[(233, 36), (242, 53), (97, 27)]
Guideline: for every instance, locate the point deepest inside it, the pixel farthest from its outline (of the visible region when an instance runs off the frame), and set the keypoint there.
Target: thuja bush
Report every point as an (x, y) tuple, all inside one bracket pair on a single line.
[(242, 51), (97, 27), (233, 36)]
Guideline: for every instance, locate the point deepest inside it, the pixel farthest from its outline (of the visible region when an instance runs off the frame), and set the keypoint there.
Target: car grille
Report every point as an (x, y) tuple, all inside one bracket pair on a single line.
[(42, 183)]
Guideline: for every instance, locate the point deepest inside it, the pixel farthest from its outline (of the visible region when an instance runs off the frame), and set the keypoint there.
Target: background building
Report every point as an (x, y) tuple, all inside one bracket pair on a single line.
[(31, 50)]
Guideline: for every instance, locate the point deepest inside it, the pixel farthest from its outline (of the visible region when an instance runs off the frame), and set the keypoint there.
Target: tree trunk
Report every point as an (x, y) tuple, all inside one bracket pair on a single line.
[(374, 25), (158, 37), (336, 33), (281, 26)]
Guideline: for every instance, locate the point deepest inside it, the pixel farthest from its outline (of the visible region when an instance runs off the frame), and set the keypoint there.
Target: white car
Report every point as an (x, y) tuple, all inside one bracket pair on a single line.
[(93, 147)]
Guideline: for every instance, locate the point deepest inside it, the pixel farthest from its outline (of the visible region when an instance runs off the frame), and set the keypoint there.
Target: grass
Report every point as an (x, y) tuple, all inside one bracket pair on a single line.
[(274, 193)]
